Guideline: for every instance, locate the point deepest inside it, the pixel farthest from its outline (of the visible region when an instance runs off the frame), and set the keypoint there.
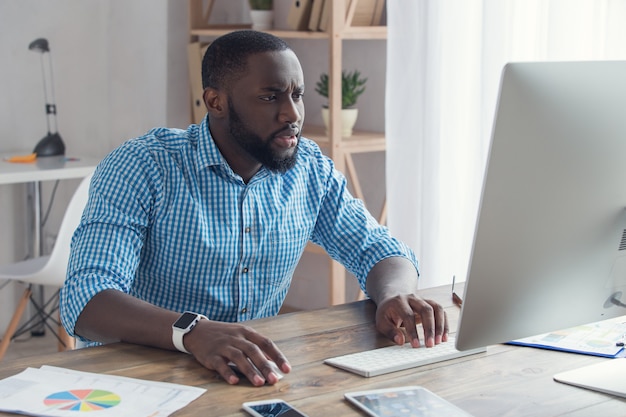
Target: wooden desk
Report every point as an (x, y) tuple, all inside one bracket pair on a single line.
[(504, 381)]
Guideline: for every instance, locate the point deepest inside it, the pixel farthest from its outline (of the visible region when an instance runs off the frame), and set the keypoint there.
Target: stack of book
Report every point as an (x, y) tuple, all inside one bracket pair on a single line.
[(313, 15)]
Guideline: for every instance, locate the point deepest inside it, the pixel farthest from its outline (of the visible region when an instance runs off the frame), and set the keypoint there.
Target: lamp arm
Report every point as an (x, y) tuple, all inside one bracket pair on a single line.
[(48, 86)]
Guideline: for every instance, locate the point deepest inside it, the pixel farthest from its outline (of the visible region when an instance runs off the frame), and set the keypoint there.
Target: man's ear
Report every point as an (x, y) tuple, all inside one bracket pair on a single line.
[(214, 101)]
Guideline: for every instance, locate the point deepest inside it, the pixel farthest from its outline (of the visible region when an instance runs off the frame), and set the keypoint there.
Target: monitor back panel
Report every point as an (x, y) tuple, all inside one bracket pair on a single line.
[(549, 247)]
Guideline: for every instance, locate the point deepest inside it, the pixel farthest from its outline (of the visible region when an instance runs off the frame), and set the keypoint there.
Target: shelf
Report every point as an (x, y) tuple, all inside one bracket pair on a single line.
[(364, 33), (354, 33), (340, 149), (359, 142)]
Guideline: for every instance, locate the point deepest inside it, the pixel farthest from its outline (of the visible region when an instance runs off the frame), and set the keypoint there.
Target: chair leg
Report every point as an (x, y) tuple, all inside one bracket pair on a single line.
[(17, 315), (66, 342)]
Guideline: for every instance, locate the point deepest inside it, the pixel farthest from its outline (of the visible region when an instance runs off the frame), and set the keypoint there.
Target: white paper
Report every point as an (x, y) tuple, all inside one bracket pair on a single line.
[(594, 338), (51, 391)]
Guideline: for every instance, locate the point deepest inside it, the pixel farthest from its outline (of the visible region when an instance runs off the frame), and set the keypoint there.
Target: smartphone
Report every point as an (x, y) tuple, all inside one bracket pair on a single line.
[(411, 401), (271, 408)]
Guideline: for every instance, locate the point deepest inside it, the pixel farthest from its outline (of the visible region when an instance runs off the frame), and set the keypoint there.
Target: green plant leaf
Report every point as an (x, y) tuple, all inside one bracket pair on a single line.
[(260, 4), (352, 86)]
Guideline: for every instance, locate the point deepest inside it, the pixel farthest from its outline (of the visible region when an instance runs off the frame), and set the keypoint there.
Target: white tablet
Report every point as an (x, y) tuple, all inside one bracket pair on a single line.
[(410, 401)]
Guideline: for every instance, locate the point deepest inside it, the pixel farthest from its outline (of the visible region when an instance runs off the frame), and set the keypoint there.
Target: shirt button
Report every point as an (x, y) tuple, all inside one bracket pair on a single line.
[(247, 230), (244, 310), (245, 270)]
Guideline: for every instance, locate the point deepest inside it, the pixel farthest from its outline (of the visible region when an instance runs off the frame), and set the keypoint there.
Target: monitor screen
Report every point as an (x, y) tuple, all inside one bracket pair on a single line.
[(549, 249)]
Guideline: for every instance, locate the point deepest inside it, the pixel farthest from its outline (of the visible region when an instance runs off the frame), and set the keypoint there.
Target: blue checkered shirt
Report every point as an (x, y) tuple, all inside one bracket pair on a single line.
[(170, 223)]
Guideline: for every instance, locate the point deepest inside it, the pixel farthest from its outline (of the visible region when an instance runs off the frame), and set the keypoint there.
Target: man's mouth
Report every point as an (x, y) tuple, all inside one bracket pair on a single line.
[(287, 138)]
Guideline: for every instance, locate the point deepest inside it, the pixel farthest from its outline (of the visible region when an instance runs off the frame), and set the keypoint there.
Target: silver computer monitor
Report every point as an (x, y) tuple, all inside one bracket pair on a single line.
[(549, 249)]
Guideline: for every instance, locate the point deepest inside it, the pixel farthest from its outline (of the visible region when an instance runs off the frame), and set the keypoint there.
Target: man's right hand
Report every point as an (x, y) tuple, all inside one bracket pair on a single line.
[(214, 344), (113, 316)]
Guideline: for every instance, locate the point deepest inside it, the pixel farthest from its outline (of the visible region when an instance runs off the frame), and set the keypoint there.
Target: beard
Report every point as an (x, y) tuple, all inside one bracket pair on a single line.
[(258, 147)]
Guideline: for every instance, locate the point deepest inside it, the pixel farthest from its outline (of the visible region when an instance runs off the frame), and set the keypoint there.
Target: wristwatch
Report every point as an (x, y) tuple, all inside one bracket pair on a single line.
[(182, 326)]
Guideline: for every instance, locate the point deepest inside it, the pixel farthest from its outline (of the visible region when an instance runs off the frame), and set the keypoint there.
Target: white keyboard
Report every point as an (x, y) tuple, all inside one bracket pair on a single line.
[(398, 358)]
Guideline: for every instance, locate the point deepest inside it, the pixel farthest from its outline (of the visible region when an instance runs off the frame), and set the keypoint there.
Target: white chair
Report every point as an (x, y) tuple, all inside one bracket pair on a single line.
[(46, 270)]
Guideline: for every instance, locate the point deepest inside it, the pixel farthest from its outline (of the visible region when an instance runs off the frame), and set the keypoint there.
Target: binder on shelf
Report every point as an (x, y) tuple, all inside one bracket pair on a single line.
[(195, 52), (378, 13), (200, 17), (299, 14), (324, 16), (366, 13), (316, 14)]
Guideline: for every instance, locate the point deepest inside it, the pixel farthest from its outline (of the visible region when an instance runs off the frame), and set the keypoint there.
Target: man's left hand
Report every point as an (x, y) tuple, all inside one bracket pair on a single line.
[(407, 311)]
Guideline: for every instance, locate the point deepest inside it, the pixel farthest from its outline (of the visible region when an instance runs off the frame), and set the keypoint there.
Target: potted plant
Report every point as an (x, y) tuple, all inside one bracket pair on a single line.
[(352, 86), (261, 14)]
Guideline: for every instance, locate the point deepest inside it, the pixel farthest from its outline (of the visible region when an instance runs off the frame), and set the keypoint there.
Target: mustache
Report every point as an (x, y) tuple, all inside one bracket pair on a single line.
[(291, 130)]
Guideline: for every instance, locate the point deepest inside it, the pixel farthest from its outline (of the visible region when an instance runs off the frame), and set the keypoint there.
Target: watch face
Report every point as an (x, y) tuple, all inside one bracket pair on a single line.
[(185, 320)]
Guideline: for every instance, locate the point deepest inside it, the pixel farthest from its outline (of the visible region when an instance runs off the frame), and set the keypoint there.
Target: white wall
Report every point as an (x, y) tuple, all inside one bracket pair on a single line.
[(120, 68)]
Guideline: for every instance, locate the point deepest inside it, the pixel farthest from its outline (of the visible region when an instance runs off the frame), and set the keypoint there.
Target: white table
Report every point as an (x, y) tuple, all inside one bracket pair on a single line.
[(32, 174), (44, 169)]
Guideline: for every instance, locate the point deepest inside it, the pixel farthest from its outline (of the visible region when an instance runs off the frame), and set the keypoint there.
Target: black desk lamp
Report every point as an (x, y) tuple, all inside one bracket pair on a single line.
[(51, 144)]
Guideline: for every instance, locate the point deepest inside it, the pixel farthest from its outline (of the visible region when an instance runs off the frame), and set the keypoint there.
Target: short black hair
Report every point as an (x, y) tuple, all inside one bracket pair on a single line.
[(226, 57)]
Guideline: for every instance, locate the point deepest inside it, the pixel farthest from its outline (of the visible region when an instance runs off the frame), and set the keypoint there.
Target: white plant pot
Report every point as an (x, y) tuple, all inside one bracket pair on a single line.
[(348, 119), (262, 19)]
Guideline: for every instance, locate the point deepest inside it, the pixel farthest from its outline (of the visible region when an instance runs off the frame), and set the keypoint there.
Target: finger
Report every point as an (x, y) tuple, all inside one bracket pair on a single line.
[(270, 371), (265, 367), (398, 337), (222, 365), (441, 319), (396, 334), (441, 322), (410, 327), (241, 364), (388, 324), (227, 372), (427, 318), (406, 319), (263, 355), (268, 350), (446, 328)]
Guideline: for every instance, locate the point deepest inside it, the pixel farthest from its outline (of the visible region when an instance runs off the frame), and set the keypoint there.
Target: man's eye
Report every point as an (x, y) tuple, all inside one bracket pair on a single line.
[(297, 96), (268, 98)]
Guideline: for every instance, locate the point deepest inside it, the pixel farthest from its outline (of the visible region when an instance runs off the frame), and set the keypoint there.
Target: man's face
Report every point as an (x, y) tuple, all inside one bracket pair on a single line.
[(266, 110)]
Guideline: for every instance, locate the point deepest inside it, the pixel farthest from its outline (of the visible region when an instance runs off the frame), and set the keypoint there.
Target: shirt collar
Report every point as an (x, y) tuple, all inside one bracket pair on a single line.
[(209, 154)]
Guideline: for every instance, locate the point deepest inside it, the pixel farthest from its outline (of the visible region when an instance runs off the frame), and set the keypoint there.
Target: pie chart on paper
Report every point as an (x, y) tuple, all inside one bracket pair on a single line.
[(82, 400)]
